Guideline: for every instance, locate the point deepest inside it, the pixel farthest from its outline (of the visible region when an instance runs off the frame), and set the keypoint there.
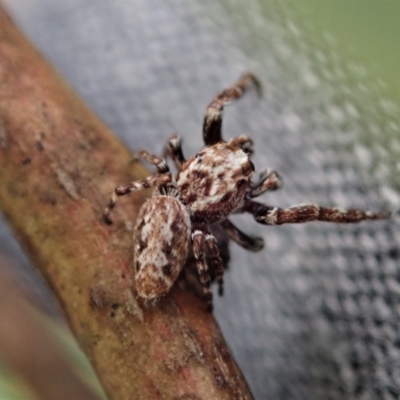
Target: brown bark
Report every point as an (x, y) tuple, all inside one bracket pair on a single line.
[(58, 166)]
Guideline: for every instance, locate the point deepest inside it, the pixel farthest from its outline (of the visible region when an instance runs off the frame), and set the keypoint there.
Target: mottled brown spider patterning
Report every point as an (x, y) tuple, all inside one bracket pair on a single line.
[(161, 242), (210, 186)]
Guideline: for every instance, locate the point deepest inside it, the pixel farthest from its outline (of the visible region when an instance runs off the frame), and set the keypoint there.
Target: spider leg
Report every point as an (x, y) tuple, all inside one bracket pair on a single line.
[(245, 143), (251, 243), (268, 180), (268, 215), (158, 162), (151, 181), (173, 149), (216, 261), (201, 246), (205, 246), (213, 116)]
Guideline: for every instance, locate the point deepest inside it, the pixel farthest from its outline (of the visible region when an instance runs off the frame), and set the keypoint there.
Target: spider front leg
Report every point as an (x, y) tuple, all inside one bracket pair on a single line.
[(205, 244), (173, 149), (213, 116), (158, 162), (151, 181), (268, 215)]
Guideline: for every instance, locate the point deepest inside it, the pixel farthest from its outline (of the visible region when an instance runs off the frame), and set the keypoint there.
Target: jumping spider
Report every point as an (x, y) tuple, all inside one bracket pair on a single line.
[(210, 186)]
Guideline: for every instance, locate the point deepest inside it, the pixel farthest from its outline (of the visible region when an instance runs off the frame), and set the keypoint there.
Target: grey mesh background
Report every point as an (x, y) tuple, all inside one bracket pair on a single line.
[(315, 315)]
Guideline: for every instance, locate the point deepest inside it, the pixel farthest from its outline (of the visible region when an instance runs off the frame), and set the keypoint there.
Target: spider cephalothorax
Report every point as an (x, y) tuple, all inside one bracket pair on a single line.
[(213, 183), (208, 188)]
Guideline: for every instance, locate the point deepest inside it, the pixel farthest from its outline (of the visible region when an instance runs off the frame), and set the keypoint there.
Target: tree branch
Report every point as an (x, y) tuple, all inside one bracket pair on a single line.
[(58, 166)]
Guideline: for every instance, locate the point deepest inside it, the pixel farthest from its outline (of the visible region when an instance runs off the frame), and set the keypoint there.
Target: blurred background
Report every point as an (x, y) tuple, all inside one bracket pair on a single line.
[(315, 315)]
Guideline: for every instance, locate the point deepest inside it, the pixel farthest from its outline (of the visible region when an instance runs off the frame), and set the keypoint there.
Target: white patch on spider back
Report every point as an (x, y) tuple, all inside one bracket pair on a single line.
[(227, 167)]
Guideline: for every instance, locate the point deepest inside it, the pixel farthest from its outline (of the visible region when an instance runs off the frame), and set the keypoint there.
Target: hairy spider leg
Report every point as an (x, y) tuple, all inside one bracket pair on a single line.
[(216, 261), (252, 243), (269, 215), (200, 252), (268, 180), (212, 123), (149, 182), (158, 162), (173, 149)]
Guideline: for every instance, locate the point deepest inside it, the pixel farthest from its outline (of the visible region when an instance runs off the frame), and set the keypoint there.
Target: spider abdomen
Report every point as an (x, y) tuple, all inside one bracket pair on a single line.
[(161, 242)]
